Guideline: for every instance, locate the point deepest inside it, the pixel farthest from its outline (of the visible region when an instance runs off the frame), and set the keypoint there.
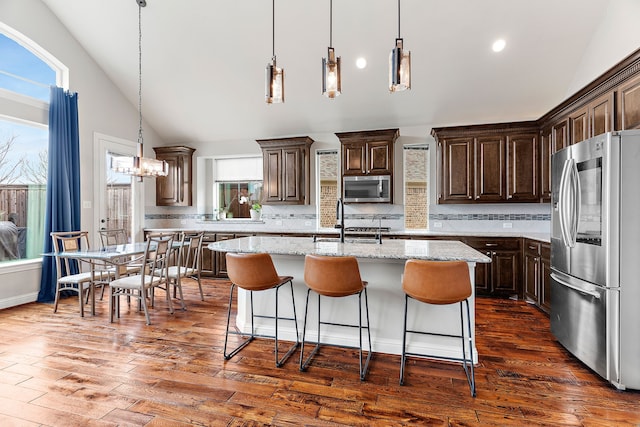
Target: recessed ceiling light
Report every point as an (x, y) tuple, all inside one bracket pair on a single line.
[(499, 45), (361, 63)]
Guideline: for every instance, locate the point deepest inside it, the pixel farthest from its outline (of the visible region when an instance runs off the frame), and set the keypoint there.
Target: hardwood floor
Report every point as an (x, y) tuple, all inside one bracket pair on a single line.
[(63, 370)]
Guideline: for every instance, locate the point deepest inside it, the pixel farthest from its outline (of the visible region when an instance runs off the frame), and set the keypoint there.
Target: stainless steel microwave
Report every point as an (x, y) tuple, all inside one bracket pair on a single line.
[(366, 189)]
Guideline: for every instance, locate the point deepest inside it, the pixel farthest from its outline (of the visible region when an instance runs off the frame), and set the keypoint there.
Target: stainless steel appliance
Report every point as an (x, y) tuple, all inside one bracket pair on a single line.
[(595, 254), (367, 189)]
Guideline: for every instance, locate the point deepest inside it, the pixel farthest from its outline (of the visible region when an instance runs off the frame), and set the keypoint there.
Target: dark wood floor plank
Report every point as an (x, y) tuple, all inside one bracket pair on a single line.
[(60, 369)]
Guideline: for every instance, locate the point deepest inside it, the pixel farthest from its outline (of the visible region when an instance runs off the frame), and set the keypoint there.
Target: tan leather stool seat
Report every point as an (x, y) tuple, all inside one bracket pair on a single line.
[(254, 273), (439, 283), (335, 277)]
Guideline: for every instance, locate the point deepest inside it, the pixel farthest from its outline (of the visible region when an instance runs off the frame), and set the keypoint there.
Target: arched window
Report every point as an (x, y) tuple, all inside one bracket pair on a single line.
[(26, 73)]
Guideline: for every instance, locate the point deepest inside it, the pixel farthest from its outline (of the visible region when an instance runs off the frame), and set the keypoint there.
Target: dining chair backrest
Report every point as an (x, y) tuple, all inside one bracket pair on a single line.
[(113, 236), (157, 256), (68, 241), (191, 250)]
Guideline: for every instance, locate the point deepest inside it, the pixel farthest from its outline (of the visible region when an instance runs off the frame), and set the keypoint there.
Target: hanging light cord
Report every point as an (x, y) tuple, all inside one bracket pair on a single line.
[(330, 23), (140, 72), (273, 29), (398, 18)]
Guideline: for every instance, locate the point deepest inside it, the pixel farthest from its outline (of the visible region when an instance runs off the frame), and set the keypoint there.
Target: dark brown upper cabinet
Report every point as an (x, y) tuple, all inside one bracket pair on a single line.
[(487, 163), (175, 188), (522, 167), (286, 170), (367, 152), (489, 152), (629, 104), (457, 172)]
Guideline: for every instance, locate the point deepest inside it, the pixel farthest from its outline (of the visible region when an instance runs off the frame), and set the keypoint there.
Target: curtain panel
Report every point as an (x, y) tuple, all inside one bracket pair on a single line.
[(62, 209)]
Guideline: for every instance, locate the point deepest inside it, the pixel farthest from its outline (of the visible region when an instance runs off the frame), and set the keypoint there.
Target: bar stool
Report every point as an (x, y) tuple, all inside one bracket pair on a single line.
[(439, 283), (256, 272), (335, 277)]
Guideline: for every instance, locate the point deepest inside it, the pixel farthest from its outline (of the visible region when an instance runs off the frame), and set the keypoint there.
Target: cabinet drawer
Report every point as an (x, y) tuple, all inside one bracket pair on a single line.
[(494, 244), (531, 247)]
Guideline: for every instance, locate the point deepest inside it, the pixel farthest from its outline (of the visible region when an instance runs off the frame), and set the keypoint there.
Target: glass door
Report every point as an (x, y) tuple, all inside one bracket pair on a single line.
[(118, 196)]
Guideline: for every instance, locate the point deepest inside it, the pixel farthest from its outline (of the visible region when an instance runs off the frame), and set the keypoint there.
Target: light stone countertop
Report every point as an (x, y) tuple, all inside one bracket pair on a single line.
[(543, 237), (440, 250)]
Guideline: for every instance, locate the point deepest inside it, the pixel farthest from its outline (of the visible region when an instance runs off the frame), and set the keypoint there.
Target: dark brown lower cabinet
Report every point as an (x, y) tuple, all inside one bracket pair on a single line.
[(501, 278), (208, 259), (537, 271)]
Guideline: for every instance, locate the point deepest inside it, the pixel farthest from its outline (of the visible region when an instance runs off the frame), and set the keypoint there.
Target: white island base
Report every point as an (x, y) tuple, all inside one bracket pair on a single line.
[(385, 295)]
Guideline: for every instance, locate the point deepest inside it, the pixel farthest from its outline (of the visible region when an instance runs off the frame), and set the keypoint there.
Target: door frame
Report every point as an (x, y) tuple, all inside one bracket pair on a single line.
[(102, 144)]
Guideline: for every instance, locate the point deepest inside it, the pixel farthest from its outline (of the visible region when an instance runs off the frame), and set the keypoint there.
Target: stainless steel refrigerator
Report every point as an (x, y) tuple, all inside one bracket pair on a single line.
[(595, 254)]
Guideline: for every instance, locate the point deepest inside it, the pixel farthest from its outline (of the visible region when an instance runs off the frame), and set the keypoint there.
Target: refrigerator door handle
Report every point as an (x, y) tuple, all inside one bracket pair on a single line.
[(577, 202), (594, 294), (565, 202)]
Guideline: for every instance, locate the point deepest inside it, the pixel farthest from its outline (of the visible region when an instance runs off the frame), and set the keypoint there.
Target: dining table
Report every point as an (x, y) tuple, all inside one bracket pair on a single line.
[(115, 256)]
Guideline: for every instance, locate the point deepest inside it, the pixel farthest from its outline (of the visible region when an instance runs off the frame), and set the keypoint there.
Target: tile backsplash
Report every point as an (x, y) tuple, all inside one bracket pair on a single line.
[(466, 218)]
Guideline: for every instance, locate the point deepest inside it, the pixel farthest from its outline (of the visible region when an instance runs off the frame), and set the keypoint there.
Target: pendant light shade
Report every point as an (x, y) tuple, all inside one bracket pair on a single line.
[(331, 84), (274, 81), (139, 165), (399, 64), (399, 68), (274, 85)]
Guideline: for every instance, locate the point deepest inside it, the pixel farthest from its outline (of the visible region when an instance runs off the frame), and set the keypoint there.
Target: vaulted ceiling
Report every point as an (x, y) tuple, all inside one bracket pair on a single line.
[(204, 60)]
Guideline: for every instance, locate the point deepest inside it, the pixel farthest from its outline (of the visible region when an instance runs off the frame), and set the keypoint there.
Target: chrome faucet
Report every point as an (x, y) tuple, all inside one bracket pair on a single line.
[(340, 216)]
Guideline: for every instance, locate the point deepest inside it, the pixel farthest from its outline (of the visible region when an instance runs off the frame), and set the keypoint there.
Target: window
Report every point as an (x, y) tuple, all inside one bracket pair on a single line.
[(327, 164), (238, 185), (26, 73), (416, 186)]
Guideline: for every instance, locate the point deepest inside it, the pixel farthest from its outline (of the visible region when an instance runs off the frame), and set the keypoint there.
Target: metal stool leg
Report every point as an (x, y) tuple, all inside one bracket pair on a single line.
[(228, 356), (280, 362)]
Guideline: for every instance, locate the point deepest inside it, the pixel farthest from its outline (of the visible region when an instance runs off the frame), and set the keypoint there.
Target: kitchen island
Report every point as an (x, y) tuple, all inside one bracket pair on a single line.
[(382, 266)]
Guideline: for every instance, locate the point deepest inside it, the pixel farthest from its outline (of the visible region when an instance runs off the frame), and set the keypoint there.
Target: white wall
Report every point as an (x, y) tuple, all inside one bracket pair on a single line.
[(102, 108), (617, 36)]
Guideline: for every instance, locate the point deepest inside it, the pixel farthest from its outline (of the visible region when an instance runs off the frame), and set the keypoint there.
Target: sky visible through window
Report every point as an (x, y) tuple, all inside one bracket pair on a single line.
[(26, 74), (23, 72)]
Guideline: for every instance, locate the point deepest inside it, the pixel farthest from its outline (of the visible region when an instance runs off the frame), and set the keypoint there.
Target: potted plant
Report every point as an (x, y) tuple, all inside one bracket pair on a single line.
[(255, 211)]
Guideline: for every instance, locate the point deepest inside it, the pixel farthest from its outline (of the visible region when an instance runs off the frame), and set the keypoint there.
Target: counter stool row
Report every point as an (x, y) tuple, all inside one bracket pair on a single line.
[(430, 282)]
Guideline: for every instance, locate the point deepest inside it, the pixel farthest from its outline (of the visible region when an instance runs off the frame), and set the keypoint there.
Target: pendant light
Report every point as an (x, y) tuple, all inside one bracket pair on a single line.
[(139, 165), (274, 84), (399, 64), (331, 84)]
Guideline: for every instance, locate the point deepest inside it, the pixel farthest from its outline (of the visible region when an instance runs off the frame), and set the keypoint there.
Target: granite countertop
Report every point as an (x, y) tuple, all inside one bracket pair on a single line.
[(440, 250), (543, 237)]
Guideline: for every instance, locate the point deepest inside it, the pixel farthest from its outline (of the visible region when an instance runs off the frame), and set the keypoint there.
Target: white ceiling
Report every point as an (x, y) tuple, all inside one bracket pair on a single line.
[(204, 60)]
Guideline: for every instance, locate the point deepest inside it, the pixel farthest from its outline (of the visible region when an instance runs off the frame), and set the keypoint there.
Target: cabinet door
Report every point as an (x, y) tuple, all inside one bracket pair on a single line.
[(272, 172), (483, 277), (353, 158), (505, 277), (629, 105), (579, 125), (601, 115), (545, 277), (221, 260), (531, 273), (167, 187), (175, 188), (560, 135), (207, 257), (379, 158), (522, 167), (546, 147), (292, 175), (457, 170), (489, 168)]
